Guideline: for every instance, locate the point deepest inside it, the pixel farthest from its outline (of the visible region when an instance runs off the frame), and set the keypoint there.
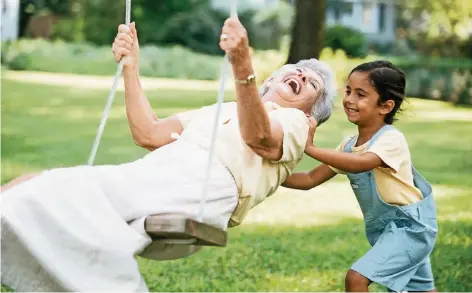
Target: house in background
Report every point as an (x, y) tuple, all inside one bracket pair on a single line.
[(10, 19), (375, 18)]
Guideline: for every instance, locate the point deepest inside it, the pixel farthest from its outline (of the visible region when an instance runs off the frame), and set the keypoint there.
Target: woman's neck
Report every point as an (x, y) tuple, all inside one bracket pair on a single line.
[(366, 132)]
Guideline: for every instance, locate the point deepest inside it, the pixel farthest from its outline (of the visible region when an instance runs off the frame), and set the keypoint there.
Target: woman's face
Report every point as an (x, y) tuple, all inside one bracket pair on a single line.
[(295, 87)]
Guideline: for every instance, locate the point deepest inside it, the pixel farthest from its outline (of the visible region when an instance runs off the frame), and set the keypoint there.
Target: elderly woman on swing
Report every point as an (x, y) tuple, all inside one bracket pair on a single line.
[(79, 228)]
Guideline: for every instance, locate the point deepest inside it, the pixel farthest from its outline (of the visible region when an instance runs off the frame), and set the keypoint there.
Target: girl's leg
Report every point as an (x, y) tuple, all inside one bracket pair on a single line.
[(17, 181), (356, 282)]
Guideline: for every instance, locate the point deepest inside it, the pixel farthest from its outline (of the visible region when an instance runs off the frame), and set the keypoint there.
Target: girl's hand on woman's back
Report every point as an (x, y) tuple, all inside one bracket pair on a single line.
[(311, 131)]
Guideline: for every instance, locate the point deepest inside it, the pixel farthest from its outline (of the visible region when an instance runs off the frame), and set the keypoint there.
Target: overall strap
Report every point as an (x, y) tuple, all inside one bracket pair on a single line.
[(421, 183), (384, 128), (350, 144), (353, 140)]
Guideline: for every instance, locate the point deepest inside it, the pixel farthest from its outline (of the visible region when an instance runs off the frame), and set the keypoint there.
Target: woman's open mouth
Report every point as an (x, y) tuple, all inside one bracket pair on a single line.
[(294, 84)]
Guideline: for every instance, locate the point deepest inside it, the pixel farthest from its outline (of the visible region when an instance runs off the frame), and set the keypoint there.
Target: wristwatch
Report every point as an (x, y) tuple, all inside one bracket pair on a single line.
[(249, 80)]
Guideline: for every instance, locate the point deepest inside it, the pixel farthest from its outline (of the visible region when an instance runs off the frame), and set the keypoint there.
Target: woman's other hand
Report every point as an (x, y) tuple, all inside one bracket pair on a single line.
[(126, 45), (234, 41)]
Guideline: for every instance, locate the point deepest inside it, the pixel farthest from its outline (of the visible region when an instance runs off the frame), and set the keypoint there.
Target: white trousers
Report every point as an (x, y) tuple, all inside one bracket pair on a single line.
[(80, 228)]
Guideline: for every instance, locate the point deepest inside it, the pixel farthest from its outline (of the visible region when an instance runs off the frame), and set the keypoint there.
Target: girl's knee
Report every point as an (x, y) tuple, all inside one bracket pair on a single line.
[(355, 279)]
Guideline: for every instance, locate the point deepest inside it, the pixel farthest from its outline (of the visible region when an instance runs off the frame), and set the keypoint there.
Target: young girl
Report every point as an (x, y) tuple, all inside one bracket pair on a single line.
[(397, 203)]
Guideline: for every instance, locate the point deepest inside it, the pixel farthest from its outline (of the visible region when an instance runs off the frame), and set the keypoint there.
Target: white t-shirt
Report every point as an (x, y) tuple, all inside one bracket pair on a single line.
[(255, 177)]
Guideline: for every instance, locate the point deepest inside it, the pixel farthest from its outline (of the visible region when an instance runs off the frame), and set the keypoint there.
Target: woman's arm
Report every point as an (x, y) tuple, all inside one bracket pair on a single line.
[(147, 130), (308, 180), (347, 162), (263, 136)]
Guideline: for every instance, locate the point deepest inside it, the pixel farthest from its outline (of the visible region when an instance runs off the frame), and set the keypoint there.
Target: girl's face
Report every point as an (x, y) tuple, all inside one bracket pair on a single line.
[(361, 101)]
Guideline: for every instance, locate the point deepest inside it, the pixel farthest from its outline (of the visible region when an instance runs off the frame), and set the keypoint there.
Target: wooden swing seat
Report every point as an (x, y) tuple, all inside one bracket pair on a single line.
[(179, 230)]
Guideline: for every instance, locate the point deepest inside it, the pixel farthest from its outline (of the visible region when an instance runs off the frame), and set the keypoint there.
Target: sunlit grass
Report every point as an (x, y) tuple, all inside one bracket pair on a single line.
[(295, 241)]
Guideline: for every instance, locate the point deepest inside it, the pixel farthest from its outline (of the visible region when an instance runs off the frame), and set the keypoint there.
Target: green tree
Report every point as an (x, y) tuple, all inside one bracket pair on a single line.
[(152, 16), (437, 27)]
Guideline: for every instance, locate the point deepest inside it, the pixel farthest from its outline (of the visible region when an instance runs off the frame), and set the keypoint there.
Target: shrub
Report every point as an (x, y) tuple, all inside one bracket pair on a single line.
[(268, 26), (200, 29), (58, 56), (349, 40), (69, 30), (438, 78)]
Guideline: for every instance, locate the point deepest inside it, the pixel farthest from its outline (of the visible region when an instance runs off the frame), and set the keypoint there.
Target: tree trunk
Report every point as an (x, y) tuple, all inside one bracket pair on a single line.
[(308, 30), (25, 16)]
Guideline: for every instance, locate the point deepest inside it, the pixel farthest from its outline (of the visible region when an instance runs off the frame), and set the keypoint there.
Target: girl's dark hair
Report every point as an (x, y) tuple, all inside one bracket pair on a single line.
[(389, 82)]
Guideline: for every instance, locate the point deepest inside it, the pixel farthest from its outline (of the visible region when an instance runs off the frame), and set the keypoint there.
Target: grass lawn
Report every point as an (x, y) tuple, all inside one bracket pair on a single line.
[(307, 247)]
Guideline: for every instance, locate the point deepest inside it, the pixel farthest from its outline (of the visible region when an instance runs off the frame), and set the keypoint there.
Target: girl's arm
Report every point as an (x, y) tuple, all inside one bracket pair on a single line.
[(347, 162), (308, 180)]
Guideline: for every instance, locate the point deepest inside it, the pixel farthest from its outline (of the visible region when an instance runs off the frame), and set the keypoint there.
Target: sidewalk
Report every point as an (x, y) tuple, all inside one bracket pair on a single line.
[(105, 82)]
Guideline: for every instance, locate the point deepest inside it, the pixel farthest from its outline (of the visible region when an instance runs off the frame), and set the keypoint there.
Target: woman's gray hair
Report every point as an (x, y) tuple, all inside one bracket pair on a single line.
[(323, 106)]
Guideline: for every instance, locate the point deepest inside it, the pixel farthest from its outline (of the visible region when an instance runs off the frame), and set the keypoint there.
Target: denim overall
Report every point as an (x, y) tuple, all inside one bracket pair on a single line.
[(402, 237)]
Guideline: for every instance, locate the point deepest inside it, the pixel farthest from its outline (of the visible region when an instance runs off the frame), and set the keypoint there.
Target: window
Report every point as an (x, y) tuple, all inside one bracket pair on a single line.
[(340, 9), (337, 14), (348, 8)]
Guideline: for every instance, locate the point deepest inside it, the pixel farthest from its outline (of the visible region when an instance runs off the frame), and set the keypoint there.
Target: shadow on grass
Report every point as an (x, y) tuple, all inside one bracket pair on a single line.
[(316, 258), (265, 258)]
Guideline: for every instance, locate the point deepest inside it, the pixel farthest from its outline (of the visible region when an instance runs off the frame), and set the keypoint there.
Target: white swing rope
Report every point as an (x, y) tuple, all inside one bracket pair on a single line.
[(110, 96), (219, 102), (220, 99)]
